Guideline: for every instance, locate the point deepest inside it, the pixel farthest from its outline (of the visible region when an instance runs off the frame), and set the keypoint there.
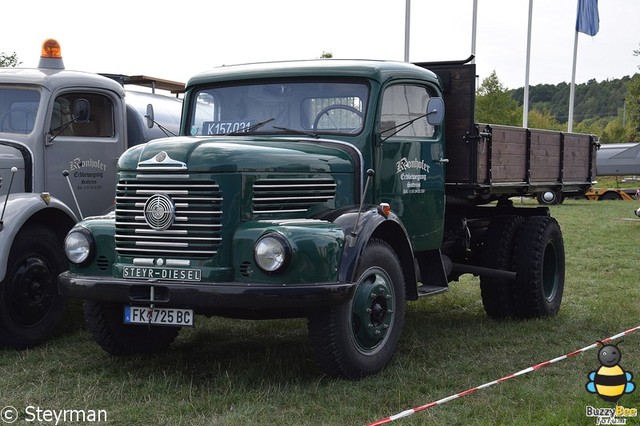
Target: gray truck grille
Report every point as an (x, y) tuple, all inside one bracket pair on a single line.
[(291, 195), (189, 228)]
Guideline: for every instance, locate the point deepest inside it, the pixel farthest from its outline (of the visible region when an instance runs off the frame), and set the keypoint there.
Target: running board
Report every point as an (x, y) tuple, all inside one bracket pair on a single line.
[(430, 290)]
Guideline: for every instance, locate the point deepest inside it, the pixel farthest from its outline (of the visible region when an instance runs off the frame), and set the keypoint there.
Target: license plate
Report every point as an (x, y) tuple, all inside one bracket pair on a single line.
[(171, 274), (158, 316)]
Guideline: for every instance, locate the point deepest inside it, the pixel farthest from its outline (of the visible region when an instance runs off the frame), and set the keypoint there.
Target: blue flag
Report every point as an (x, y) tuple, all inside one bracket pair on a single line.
[(588, 21)]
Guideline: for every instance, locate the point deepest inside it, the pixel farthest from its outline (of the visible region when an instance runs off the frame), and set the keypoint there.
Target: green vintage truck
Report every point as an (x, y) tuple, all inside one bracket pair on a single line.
[(324, 189)]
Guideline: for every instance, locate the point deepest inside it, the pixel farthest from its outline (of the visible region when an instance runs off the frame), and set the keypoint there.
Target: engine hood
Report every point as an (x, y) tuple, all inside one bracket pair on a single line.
[(243, 154)]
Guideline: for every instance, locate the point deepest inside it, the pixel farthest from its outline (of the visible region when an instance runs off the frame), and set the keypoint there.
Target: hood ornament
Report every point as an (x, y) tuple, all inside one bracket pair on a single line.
[(162, 160)]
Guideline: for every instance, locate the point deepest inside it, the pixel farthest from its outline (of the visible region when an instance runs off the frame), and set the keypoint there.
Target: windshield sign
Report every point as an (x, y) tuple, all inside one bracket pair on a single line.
[(283, 107)]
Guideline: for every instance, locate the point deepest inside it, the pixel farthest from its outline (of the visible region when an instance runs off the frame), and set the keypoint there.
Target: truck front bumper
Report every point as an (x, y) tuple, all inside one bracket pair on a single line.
[(204, 297)]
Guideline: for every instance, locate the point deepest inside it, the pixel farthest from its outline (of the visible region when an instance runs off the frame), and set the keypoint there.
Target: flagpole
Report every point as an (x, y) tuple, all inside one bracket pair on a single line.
[(525, 107), (407, 25), (474, 28), (588, 22), (573, 83)]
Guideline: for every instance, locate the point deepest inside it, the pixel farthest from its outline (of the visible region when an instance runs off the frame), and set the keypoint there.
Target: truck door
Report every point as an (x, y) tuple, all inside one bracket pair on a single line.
[(411, 154), (88, 150)]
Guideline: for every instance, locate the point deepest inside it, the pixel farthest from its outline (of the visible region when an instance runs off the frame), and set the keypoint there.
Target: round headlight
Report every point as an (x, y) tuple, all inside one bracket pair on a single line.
[(78, 245), (272, 252)]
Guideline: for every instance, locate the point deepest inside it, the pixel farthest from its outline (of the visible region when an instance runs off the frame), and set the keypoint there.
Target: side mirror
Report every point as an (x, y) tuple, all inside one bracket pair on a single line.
[(81, 110), (150, 116), (435, 111)]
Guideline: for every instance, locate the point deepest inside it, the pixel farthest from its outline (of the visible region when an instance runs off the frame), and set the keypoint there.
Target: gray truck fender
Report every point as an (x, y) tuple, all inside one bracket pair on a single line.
[(21, 207), (372, 224)]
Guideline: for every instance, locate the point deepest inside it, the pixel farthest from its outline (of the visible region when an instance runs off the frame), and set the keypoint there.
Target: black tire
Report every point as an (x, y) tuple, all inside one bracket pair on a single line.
[(610, 196), (359, 338), (540, 267), (497, 252), (550, 198), (104, 321), (30, 305)]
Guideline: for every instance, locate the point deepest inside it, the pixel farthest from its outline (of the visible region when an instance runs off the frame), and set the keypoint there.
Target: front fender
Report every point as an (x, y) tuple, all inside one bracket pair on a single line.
[(316, 247), (102, 229), (20, 208), (373, 224)]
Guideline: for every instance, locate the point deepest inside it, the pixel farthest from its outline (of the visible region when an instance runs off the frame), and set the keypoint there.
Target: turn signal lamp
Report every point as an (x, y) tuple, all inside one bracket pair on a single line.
[(384, 209), (51, 55)]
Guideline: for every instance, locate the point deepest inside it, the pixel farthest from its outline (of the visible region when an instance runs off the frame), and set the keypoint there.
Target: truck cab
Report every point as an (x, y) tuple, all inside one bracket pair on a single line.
[(61, 133)]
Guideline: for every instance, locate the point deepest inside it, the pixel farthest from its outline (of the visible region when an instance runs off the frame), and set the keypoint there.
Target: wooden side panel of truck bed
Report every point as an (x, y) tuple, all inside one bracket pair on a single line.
[(487, 161), (530, 157)]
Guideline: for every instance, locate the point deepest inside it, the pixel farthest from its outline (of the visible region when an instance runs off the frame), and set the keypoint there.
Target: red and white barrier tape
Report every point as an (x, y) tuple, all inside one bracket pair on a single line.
[(503, 379)]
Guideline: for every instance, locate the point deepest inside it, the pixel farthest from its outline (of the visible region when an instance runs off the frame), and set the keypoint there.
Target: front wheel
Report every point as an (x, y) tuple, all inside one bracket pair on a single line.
[(540, 266), (105, 322), (30, 305), (359, 338)]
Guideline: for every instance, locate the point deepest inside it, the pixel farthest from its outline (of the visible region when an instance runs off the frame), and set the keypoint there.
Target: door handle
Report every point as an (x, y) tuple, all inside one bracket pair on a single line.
[(441, 161)]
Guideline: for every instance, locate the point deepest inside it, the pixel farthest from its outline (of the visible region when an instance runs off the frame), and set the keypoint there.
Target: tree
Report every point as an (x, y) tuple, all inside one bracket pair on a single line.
[(495, 105), (543, 119), (326, 55), (9, 60), (633, 104), (633, 107)]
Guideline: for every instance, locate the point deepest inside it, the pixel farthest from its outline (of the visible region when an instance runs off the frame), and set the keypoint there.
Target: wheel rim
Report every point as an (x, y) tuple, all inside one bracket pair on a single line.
[(549, 197), (31, 292), (372, 311), (550, 272)]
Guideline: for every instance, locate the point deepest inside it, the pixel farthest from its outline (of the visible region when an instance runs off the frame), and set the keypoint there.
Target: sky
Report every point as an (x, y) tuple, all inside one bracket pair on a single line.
[(177, 40)]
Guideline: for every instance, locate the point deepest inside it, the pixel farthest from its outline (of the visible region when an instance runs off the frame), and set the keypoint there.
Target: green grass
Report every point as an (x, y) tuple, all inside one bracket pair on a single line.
[(230, 372), (616, 182)]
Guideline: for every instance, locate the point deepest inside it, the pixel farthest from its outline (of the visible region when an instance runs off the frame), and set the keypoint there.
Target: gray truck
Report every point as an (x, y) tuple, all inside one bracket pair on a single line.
[(61, 133), (334, 190)]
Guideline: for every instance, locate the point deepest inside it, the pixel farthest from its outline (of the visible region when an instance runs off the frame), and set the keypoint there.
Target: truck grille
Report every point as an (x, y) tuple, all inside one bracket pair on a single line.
[(291, 195), (189, 227)]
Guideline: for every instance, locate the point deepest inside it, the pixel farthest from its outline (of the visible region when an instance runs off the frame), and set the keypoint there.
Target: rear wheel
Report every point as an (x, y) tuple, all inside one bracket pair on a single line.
[(497, 252), (550, 198), (359, 338), (540, 266), (105, 322), (30, 306)]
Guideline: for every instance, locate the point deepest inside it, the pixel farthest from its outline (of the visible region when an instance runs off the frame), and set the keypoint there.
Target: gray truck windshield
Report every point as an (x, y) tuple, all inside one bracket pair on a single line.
[(18, 109), (283, 107)]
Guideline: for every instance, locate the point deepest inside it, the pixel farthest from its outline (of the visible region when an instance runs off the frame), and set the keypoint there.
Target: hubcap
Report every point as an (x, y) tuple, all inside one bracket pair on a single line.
[(372, 310)]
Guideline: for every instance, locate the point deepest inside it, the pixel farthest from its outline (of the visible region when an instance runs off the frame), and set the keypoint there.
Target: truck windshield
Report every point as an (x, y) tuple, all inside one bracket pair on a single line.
[(18, 109), (282, 107)]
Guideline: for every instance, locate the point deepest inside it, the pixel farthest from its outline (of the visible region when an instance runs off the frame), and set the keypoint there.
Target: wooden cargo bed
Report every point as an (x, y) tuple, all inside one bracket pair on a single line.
[(488, 161)]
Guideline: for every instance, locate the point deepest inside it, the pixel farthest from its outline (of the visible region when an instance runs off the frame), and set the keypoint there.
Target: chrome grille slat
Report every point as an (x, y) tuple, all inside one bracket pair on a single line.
[(167, 185), (290, 185), (273, 196), (137, 238), (157, 251), (185, 225), (196, 230)]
